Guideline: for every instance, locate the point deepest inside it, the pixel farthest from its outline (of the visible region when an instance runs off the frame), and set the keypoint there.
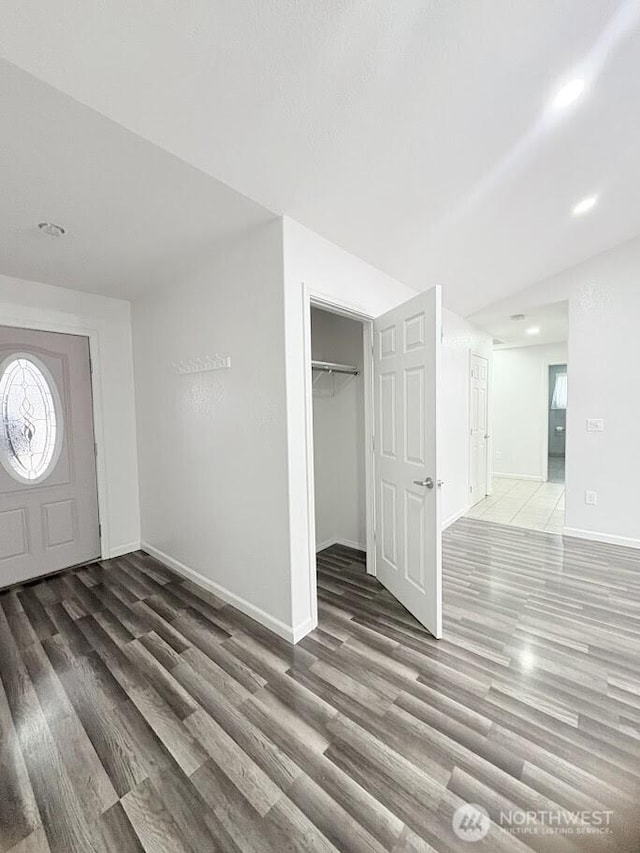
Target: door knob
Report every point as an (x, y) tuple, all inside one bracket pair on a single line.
[(428, 482)]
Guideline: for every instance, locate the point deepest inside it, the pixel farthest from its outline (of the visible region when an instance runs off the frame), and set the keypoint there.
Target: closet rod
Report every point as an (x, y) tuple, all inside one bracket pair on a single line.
[(330, 367)]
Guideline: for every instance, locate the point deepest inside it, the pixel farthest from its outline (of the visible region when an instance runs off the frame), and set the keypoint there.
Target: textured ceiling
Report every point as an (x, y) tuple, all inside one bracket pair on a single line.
[(136, 216), (552, 322), (415, 134)]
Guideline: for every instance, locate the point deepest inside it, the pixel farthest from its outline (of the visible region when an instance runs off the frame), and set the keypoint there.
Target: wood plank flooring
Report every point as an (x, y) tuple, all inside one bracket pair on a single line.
[(139, 713)]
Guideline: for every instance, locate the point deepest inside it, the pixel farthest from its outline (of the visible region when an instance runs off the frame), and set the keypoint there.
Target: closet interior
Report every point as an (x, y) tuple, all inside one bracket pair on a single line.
[(337, 351)]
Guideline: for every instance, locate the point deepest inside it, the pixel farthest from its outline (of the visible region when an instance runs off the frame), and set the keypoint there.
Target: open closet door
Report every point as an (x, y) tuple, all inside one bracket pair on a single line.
[(407, 344)]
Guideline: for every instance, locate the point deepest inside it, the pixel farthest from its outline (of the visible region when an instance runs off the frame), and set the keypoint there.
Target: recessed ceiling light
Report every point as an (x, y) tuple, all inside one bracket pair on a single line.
[(533, 330), (569, 93), (585, 205), (51, 229)]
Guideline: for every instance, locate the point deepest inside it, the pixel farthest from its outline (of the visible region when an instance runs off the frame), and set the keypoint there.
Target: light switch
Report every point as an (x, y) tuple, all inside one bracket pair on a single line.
[(591, 498), (595, 425)]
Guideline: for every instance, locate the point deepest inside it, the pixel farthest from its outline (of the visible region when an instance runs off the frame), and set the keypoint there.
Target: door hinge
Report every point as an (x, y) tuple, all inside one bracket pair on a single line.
[(95, 448), (470, 488), (99, 530)]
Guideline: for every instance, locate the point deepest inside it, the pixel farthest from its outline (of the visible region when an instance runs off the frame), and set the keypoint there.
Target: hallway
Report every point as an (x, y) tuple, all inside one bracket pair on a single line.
[(523, 503)]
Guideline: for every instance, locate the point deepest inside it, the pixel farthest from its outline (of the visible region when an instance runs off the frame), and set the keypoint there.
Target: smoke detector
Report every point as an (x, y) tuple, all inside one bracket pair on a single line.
[(51, 229), (518, 316)]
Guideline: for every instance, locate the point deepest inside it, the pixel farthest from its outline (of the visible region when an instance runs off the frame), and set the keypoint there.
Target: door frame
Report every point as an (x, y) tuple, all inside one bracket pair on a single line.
[(488, 466), (93, 337), (317, 299)]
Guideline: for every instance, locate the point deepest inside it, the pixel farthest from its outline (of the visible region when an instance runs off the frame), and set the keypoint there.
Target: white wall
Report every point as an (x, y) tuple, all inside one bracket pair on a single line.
[(519, 409), (335, 274), (213, 446), (459, 339), (338, 433), (604, 349), (42, 306)]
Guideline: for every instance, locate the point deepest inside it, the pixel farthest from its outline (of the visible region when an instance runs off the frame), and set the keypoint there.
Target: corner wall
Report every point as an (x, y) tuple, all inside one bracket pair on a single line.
[(330, 272), (213, 445), (43, 306)]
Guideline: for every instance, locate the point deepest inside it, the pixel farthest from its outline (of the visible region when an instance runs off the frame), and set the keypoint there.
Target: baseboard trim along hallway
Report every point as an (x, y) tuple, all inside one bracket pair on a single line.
[(606, 538), (456, 515), (288, 633)]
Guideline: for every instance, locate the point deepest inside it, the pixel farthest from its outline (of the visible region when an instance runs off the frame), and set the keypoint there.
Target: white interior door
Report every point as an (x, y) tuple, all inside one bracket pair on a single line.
[(48, 490), (407, 344), (479, 432)]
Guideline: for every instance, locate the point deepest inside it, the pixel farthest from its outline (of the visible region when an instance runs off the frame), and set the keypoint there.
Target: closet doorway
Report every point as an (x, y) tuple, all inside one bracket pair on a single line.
[(340, 459), (384, 495)]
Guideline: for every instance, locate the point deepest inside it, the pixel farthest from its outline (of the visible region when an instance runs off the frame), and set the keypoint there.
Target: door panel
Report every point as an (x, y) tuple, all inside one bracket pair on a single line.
[(48, 490), (13, 533), (408, 533), (479, 420)]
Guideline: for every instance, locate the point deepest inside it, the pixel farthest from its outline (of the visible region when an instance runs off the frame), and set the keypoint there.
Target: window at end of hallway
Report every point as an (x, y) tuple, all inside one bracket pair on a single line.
[(559, 400)]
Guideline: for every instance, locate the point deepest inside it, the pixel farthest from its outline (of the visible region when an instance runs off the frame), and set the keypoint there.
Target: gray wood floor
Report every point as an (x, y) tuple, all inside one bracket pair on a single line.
[(138, 713)]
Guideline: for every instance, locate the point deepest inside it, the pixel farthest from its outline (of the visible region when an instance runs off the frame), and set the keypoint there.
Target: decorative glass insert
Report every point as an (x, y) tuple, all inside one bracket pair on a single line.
[(29, 427)]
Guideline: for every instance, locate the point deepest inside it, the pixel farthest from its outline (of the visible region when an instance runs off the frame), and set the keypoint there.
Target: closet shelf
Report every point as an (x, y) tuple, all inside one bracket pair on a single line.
[(331, 367)]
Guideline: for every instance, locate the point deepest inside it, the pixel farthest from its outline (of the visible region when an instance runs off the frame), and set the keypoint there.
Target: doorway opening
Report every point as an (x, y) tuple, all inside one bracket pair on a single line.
[(527, 421), (339, 371), (557, 432), (401, 359)]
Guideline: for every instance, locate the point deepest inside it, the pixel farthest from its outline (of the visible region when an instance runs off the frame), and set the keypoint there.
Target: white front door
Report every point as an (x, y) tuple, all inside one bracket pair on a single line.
[(479, 434), (407, 344), (48, 493)]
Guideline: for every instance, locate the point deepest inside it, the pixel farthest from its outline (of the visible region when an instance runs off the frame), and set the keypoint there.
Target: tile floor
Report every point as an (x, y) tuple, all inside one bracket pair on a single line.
[(523, 503)]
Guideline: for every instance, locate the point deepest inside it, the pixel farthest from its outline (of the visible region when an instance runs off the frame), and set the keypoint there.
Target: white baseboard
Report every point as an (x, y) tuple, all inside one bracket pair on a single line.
[(453, 518), (607, 538), (536, 478), (120, 550), (301, 630), (287, 632), (347, 543)]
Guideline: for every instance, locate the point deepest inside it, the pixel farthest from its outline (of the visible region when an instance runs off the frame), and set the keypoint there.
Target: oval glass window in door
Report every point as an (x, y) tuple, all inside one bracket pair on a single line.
[(30, 419)]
